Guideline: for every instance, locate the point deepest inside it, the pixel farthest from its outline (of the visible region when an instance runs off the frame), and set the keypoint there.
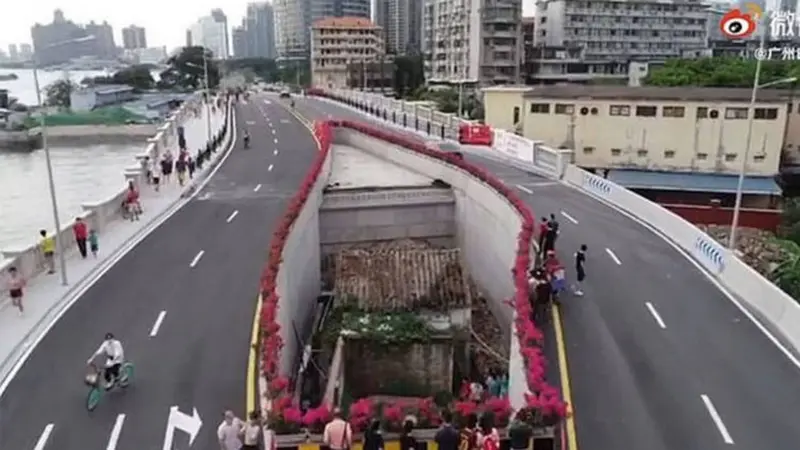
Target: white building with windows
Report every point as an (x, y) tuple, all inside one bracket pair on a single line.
[(211, 34)]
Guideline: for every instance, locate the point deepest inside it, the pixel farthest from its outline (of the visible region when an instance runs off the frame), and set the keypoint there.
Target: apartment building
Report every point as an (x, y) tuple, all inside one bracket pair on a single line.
[(651, 128), (401, 21), (294, 19), (212, 34), (583, 40), (472, 40), (338, 43)]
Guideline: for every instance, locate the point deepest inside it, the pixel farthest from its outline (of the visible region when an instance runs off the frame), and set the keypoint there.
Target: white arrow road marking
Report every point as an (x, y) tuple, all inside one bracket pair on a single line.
[(524, 189), (157, 325), (570, 218), (44, 437), (184, 422), (613, 256), (196, 258), (712, 411), (232, 216), (115, 432)]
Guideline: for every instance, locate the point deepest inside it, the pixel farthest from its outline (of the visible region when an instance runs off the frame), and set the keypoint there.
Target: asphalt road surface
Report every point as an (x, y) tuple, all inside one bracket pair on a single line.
[(659, 359), (198, 357)]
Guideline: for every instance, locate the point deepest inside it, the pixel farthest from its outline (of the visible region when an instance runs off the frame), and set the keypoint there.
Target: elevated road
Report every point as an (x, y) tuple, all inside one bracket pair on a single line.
[(181, 302), (659, 358)]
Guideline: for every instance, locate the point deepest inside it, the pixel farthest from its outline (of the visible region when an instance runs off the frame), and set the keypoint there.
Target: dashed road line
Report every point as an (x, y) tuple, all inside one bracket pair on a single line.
[(275, 140), (115, 432), (656, 315), (197, 258), (257, 188), (269, 169), (570, 218), (275, 152), (613, 256), (157, 325), (712, 411), (44, 437), (232, 216), (524, 189)]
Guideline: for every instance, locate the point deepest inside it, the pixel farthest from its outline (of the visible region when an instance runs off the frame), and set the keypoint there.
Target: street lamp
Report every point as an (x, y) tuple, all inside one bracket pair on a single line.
[(750, 118), (48, 160)]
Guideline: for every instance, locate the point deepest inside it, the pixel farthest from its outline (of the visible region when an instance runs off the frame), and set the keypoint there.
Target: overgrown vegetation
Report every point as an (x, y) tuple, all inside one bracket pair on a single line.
[(721, 72), (381, 328), (786, 274)]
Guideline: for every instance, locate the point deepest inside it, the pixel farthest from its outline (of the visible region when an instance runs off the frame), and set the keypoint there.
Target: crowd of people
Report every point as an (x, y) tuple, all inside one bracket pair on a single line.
[(547, 281)]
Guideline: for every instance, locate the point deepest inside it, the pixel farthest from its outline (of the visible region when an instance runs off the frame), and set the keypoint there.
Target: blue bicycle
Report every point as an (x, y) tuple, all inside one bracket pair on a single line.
[(97, 384)]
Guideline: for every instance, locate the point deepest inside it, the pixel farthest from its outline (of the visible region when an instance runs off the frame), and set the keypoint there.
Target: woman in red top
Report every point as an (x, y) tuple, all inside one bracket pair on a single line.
[(81, 232), (132, 201)]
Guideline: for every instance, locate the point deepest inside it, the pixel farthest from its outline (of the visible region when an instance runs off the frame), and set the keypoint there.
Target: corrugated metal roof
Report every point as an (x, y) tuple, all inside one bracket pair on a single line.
[(692, 182)]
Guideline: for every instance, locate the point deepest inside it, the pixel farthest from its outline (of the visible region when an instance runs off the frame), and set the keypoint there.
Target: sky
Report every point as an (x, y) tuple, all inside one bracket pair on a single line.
[(167, 27)]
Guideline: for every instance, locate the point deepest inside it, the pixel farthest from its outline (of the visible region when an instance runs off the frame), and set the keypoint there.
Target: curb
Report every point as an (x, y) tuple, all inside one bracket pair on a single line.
[(16, 354)]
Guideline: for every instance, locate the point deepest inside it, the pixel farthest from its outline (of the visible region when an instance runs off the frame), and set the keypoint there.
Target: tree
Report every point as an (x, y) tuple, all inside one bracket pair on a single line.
[(263, 67), (138, 77), (186, 70), (720, 72), (58, 93), (409, 75)]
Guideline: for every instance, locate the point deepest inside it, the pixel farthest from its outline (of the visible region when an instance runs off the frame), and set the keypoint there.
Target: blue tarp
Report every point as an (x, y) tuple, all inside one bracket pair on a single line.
[(692, 182)]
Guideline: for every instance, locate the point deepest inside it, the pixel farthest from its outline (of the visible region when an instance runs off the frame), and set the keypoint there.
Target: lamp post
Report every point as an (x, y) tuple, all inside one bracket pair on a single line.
[(750, 118), (49, 163)]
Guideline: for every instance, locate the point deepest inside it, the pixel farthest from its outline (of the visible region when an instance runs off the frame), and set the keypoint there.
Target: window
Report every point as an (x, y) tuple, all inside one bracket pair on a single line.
[(516, 115), (702, 156), (669, 154), (736, 113), (674, 111), (646, 111), (702, 112), (616, 151), (588, 150), (641, 153), (619, 110), (730, 157), (765, 113), (540, 108), (562, 108), (759, 158)]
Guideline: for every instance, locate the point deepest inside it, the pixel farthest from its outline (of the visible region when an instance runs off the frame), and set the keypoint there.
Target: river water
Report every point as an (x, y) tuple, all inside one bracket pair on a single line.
[(82, 175)]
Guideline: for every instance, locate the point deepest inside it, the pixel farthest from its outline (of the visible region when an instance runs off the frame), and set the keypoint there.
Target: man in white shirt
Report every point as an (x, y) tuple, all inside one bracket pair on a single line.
[(114, 355), (229, 431)]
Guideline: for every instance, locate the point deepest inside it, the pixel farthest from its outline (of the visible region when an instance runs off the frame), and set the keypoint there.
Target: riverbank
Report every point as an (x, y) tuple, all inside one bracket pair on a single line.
[(83, 135)]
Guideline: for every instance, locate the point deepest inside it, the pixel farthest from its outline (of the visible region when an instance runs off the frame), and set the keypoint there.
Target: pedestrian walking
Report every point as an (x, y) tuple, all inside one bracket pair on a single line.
[(447, 435), (190, 166), (229, 431), (551, 235), (580, 270), (543, 227), (155, 174), (337, 434), (15, 286), (251, 432), (468, 434), (373, 439), (94, 242), (47, 245), (81, 232)]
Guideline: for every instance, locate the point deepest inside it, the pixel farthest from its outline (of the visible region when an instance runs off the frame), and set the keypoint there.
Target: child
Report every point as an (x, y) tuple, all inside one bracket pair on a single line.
[(94, 245)]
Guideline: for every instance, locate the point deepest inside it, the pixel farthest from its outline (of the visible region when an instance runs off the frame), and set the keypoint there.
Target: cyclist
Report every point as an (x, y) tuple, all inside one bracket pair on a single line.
[(292, 103), (246, 139), (112, 350)]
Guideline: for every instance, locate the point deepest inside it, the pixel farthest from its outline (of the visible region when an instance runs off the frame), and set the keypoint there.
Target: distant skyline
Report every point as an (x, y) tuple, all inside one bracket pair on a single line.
[(167, 28)]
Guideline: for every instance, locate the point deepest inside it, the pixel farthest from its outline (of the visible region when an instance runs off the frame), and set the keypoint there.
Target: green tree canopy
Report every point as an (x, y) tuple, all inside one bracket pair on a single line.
[(187, 70), (409, 74), (138, 77), (58, 93), (720, 72)]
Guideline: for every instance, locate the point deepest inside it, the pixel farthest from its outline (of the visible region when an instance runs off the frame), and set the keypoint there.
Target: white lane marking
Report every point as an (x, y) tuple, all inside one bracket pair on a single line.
[(157, 325), (267, 102), (273, 131), (275, 152), (255, 189), (613, 256), (251, 122), (570, 218), (197, 258), (656, 315), (717, 419), (115, 432), (232, 216), (275, 140), (44, 437), (39, 334), (269, 169), (524, 189), (284, 120)]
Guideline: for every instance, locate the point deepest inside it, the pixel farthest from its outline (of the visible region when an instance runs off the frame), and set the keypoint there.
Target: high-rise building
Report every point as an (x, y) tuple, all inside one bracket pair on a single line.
[(134, 37), (239, 39), (222, 19), (294, 18), (25, 52), (259, 28), (400, 20), (13, 53), (189, 37), (63, 40), (211, 34), (104, 39)]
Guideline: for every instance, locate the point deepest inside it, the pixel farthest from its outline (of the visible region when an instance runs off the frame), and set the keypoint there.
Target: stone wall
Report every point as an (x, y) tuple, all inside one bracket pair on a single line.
[(372, 369)]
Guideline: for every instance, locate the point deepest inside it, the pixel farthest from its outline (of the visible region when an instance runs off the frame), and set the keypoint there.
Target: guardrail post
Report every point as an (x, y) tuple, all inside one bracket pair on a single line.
[(405, 120), (385, 114), (441, 127), (394, 117), (416, 122), (428, 127)]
